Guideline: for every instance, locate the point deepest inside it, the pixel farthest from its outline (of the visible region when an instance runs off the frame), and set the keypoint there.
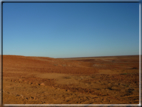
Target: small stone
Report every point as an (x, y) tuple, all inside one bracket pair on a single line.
[(42, 84), (68, 90), (32, 97), (21, 96), (17, 95), (30, 83)]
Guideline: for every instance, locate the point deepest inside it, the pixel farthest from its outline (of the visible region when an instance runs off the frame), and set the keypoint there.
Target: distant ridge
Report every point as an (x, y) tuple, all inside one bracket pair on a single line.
[(70, 57), (99, 56)]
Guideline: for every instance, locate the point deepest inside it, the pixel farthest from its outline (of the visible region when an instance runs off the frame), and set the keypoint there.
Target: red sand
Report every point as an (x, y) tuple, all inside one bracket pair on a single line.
[(95, 80)]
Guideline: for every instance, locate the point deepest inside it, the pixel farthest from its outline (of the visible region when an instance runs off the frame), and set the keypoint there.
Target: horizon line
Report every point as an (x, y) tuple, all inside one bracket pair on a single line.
[(71, 57)]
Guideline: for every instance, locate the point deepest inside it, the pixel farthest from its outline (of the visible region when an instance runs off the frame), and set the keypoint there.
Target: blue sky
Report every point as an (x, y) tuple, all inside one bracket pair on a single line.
[(70, 29)]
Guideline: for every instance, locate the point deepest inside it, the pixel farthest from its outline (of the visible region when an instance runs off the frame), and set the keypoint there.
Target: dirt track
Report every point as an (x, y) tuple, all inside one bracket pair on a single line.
[(42, 80)]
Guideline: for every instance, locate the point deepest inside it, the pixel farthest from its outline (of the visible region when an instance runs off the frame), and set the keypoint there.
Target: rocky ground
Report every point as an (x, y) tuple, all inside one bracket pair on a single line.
[(96, 80)]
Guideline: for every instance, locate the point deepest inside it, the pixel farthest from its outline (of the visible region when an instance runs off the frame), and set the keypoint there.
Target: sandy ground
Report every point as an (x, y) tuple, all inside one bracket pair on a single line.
[(43, 80), (0, 80)]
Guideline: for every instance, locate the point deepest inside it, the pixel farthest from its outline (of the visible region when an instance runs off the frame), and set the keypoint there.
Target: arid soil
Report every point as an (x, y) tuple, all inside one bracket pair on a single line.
[(0, 81), (92, 80)]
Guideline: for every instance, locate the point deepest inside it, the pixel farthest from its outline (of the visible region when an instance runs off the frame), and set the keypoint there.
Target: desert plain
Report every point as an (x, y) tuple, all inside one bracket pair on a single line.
[(82, 80)]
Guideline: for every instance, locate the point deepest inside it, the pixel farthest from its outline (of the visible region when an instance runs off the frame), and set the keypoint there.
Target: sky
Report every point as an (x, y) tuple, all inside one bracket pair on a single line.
[(61, 30)]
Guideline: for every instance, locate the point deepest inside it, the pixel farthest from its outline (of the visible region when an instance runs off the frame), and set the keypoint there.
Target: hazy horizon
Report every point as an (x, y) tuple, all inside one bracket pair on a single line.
[(70, 57), (63, 30)]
